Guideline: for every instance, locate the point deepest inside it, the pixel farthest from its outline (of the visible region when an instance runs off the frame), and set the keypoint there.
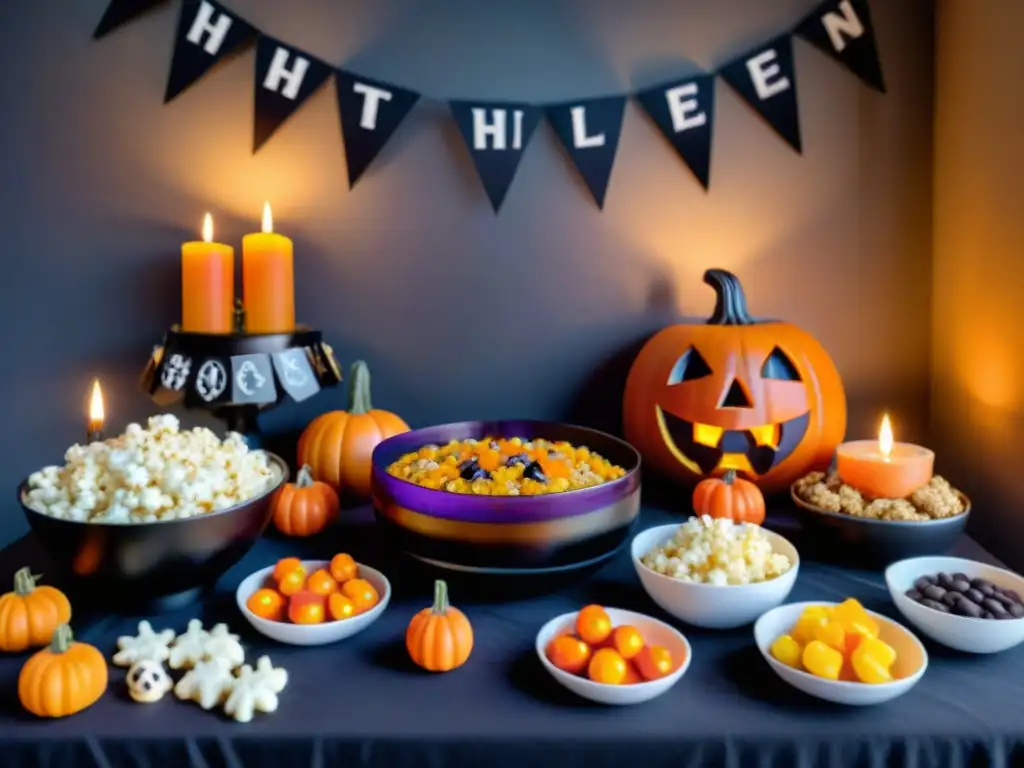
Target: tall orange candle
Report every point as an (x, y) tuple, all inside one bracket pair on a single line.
[(268, 280), (884, 469), (207, 284)]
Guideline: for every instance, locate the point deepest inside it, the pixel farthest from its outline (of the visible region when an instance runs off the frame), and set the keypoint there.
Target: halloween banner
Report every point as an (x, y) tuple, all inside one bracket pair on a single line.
[(497, 133), (203, 377)]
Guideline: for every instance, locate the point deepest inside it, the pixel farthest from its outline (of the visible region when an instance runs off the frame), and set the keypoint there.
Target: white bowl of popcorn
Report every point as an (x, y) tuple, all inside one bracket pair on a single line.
[(715, 573), (155, 511)]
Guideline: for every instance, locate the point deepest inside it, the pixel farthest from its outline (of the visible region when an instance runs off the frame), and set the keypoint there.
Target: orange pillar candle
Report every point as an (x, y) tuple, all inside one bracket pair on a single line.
[(268, 280), (207, 284), (884, 469)]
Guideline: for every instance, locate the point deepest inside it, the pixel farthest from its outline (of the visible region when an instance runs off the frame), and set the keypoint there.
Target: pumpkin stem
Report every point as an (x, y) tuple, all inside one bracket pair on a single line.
[(62, 639), (440, 606), (729, 477), (359, 389), (304, 478), (730, 300), (25, 582)]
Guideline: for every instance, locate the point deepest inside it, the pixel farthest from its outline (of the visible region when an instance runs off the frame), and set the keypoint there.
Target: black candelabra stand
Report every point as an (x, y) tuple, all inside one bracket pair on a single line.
[(236, 376)]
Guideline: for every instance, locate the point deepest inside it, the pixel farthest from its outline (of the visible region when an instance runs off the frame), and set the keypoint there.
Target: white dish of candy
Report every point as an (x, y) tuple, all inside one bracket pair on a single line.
[(963, 604)]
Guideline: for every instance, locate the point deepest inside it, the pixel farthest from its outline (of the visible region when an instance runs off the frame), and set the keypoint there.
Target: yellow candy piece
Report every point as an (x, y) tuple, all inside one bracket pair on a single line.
[(812, 618), (832, 633), (788, 651), (855, 619), (822, 661), (872, 661)]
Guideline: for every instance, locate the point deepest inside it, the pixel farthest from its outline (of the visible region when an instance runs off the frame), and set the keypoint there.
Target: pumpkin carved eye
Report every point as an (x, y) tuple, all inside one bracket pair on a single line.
[(689, 367), (779, 367)]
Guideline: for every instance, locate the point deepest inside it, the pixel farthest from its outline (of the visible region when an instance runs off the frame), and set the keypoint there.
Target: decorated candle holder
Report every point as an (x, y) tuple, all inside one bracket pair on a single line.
[(235, 376)]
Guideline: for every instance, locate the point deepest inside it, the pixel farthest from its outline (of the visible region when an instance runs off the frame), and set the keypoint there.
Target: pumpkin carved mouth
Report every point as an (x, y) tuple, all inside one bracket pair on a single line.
[(708, 448)]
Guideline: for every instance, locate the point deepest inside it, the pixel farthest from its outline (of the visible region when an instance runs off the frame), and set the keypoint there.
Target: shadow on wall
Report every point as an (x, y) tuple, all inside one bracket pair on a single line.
[(598, 402)]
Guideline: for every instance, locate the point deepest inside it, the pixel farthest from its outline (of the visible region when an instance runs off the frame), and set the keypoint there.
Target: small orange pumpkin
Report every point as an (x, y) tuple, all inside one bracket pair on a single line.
[(30, 614), (306, 506), (729, 496), (338, 445), (439, 638), (63, 679)]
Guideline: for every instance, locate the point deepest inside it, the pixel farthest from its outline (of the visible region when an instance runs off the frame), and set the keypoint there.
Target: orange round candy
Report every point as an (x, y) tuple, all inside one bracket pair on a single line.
[(340, 607), (292, 583), (306, 608), (627, 641), (653, 661), (343, 568), (361, 593), (285, 566), (321, 583), (608, 667), (569, 653), (593, 625), (633, 675), (267, 604)]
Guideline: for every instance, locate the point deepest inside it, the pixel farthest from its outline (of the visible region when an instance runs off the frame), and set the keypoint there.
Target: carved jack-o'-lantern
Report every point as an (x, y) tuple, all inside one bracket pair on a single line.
[(762, 398)]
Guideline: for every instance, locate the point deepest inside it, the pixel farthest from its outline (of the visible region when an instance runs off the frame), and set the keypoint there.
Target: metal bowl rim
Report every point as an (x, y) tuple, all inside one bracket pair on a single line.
[(274, 459)]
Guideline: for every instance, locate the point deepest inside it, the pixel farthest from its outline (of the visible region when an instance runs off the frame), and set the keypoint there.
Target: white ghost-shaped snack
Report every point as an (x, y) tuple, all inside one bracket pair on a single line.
[(224, 647), (255, 690), (148, 681), (147, 645), (207, 684), (189, 647)]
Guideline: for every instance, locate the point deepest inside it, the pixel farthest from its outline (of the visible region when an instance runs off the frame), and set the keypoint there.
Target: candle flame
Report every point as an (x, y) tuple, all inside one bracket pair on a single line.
[(885, 437), (208, 228), (97, 413), (268, 218)]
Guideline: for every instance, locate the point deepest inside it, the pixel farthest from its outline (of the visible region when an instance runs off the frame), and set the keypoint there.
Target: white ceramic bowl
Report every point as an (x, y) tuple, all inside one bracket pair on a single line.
[(708, 605), (655, 633), (312, 634), (911, 659), (959, 632)]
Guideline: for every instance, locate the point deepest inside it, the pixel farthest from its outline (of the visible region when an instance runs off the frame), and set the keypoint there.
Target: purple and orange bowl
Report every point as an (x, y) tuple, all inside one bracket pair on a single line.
[(507, 535)]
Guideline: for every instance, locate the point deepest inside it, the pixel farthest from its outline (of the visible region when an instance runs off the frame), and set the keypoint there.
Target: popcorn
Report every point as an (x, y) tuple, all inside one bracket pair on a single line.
[(148, 474), (717, 551)]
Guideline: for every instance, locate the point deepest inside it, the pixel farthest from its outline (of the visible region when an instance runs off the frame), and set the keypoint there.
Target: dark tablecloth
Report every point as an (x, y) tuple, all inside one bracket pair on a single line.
[(361, 703)]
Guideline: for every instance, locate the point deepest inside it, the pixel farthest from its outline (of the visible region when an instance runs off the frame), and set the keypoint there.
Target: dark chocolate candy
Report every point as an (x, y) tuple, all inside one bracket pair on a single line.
[(933, 592), (534, 472), (927, 603)]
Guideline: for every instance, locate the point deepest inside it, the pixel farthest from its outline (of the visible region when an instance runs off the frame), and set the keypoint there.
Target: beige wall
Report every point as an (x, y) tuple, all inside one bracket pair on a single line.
[(978, 298)]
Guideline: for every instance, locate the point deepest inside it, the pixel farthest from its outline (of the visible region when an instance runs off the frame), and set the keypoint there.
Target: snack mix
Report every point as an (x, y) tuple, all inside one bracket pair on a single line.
[(935, 501)]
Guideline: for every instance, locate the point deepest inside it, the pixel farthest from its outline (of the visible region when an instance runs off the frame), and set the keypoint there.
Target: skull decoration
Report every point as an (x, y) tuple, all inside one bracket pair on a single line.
[(148, 681), (761, 398)]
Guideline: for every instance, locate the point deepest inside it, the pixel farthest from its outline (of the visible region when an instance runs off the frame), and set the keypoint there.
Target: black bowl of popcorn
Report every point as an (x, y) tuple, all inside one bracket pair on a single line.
[(848, 526), (158, 512)]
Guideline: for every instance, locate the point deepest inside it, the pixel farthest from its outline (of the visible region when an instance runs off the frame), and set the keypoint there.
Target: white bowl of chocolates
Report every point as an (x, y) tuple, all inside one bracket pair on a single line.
[(963, 604)]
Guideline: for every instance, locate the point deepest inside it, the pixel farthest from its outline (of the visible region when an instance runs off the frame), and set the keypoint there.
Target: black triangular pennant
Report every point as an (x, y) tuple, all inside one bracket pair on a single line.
[(590, 132), (207, 32), (766, 79), (285, 78), (843, 30), (120, 12), (684, 112), (496, 134), (371, 112)]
